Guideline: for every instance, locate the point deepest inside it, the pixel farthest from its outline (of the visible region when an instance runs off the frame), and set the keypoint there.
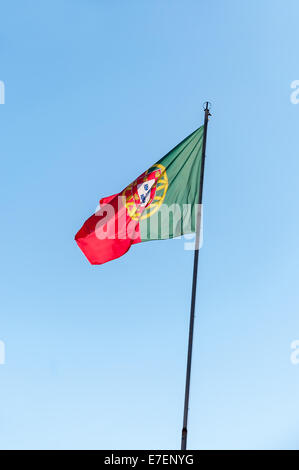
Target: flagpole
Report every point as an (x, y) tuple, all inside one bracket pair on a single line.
[(194, 282)]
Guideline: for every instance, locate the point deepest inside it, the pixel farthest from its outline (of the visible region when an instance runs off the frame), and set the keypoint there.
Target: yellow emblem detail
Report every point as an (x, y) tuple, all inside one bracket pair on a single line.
[(145, 195)]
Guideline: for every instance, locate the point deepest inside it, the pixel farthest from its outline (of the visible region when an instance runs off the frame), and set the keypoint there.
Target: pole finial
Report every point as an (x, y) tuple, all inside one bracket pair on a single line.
[(207, 105)]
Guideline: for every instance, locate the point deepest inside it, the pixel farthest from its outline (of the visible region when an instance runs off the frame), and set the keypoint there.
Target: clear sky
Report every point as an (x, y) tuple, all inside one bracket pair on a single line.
[(95, 92)]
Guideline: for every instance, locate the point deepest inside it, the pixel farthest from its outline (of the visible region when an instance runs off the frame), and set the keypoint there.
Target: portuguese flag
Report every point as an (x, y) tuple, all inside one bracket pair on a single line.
[(161, 203)]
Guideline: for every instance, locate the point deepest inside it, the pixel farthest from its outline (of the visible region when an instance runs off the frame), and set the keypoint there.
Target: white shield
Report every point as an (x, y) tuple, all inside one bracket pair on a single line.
[(144, 191)]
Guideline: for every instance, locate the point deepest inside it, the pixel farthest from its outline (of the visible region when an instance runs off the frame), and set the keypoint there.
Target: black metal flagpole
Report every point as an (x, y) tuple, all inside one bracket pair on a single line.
[(194, 282)]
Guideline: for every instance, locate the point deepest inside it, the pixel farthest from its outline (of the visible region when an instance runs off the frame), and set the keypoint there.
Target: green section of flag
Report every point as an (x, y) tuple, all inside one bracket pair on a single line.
[(173, 210)]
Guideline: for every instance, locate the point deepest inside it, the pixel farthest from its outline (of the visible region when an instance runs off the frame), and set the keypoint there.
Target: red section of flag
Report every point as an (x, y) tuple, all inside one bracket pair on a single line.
[(109, 233)]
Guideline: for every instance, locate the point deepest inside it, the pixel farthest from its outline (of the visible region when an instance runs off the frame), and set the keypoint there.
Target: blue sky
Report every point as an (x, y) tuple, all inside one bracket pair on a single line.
[(95, 92)]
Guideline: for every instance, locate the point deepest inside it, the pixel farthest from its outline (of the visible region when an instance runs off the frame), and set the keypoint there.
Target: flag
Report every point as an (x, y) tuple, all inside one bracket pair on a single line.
[(161, 203)]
